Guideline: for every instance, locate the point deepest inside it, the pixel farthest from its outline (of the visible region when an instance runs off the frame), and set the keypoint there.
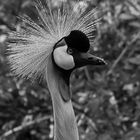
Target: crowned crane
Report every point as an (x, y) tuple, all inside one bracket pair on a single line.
[(51, 52)]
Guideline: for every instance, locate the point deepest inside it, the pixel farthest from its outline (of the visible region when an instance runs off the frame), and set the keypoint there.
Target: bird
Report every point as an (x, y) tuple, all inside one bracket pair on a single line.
[(49, 51)]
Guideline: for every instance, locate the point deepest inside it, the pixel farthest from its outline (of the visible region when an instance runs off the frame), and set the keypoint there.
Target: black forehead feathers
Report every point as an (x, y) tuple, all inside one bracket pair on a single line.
[(78, 40)]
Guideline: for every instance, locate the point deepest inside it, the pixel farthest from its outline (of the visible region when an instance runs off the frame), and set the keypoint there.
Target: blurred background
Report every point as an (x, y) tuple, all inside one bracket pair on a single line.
[(106, 99)]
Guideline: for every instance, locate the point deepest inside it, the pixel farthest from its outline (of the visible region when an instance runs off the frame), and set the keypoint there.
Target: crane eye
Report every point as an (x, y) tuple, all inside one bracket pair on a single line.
[(70, 51)]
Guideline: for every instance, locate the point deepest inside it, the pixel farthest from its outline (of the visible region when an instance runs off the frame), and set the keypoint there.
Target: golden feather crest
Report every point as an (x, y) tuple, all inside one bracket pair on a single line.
[(33, 44)]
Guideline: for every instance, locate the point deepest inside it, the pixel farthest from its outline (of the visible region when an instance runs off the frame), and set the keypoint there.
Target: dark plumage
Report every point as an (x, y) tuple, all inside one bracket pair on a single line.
[(78, 40)]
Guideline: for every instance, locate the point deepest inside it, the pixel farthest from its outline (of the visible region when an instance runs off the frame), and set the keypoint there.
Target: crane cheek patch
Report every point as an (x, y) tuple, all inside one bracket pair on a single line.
[(63, 59)]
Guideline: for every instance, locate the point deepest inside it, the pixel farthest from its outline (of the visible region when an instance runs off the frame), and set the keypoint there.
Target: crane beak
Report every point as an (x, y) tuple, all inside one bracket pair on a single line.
[(83, 59)]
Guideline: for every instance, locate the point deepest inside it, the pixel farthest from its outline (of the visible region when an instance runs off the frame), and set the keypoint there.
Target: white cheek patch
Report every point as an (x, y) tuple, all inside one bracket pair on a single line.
[(63, 59)]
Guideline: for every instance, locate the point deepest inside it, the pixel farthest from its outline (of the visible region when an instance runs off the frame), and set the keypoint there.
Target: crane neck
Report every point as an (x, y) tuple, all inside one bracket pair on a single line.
[(65, 127)]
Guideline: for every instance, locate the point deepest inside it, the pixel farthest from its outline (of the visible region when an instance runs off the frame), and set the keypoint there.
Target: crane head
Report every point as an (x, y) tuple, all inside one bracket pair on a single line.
[(72, 52)]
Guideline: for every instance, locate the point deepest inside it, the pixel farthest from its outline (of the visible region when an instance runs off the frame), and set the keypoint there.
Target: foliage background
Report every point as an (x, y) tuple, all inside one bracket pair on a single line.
[(106, 100)]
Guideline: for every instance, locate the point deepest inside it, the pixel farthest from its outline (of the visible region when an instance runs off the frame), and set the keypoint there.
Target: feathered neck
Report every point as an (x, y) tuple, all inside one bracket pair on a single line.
[(65, 127)]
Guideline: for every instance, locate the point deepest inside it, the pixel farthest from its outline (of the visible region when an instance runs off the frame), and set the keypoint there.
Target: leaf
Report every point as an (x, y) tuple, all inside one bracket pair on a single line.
[(135, 60), (26, 4), (128, 87), (125, 16), (135, 24)]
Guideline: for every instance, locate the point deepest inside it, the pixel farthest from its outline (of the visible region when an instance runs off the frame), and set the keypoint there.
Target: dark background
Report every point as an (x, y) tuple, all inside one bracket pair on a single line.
[(106, 100)]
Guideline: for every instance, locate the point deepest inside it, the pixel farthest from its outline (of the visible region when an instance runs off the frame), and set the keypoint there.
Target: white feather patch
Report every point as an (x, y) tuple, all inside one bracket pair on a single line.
[(63, 59)]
